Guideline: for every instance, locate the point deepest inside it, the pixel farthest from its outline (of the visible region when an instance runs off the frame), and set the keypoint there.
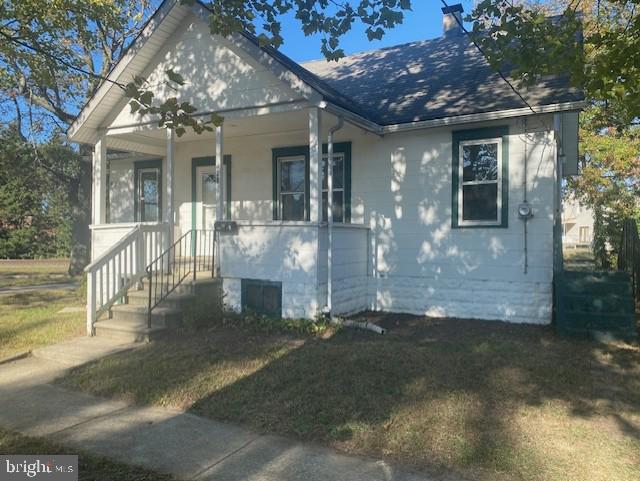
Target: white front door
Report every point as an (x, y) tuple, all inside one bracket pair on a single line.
[(206, 194)]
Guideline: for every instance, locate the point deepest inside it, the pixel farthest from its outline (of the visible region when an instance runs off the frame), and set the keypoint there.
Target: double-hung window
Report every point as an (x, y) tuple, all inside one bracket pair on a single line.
[(292, 187), (291, 183), (338, 187), (480, 178)]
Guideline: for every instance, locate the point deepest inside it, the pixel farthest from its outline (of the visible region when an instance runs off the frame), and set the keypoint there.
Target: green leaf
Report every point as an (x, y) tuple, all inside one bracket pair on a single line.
[(131, 90), (175, 77), (135, 106)]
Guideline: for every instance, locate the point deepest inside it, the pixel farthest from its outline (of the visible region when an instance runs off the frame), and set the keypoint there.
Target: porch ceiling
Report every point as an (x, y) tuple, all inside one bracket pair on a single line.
[(152, 140)]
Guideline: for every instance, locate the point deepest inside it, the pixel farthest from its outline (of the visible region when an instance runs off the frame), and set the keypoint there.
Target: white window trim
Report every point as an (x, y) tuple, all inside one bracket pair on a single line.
[(291, 158), (461, 183)]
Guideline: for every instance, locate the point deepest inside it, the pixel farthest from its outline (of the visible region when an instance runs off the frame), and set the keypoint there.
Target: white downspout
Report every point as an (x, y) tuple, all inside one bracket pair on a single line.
[(332, 130), (368, 326), (524, 198)]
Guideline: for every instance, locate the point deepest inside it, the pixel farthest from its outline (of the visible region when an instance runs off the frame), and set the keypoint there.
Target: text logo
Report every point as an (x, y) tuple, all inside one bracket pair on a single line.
[(39, 467)]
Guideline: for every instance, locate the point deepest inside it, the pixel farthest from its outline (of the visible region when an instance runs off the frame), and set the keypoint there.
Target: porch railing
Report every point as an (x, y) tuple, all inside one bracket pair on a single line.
[(117, 270), (191, 254)]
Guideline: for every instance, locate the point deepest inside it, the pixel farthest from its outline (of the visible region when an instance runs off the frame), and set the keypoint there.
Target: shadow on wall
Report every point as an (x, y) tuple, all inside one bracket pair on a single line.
[(121, 192), (218, 75), (411, 221)]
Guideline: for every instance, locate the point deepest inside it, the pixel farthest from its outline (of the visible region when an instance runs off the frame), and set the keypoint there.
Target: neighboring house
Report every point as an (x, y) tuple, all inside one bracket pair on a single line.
[(432, 163), (577, 224)]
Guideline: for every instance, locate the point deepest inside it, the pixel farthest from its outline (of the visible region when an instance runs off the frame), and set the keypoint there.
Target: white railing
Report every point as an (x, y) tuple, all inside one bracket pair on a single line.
[(119, 268)]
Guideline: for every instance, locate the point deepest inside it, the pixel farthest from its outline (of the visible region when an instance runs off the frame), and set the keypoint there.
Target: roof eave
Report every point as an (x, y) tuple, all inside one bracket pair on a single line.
[(484, 117)]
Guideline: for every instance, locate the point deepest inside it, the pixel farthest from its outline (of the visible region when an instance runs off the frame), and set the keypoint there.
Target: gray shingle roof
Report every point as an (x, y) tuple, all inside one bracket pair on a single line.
[(427, 80)]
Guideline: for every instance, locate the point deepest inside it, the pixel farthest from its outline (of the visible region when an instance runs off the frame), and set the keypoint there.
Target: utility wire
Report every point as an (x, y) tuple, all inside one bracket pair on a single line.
[(497, 70)]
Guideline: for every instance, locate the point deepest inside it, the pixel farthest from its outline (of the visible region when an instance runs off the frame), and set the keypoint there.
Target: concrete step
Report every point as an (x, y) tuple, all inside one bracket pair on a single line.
[(176, 300), (129, 322), (160, 316), (158, 286), (129, 331)]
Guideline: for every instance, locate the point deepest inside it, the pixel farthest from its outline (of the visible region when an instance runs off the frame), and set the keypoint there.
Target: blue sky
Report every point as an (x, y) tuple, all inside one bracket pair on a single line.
[(425, 21)]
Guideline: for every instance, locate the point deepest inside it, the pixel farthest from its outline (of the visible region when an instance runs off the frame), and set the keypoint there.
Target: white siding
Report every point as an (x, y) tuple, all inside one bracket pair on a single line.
[(121, 191), (350, 255), (282, 252), (402, 190), (219, 76), (251, 174)]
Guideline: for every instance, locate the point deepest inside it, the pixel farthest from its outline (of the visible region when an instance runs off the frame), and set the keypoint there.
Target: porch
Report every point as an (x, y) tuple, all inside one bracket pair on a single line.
[(277, 250)]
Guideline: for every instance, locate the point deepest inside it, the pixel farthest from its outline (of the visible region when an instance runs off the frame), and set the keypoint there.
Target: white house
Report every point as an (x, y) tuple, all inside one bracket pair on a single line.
[(577, 224), (434, 157)]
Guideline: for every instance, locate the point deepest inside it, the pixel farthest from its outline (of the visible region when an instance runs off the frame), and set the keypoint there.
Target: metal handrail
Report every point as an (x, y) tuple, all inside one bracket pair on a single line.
[(193, 252)]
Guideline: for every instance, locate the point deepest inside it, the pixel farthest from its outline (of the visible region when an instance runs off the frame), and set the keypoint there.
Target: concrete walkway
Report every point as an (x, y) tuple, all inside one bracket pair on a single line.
[(12, 290), (165, 440)]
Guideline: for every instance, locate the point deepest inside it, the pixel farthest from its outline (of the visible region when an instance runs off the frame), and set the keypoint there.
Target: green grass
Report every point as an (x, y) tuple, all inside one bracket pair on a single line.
[(487, 400), (90, 467), (33, 272), (33, 319), (578, 259)]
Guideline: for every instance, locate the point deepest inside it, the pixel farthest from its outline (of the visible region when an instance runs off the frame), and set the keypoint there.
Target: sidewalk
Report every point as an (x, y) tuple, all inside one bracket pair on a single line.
[(11, 290), (165, 440)]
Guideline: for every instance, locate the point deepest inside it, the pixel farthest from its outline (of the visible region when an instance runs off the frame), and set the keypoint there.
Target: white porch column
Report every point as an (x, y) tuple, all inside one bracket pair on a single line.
[(219, 162), (315, 170), (169, 216), (99, 201)]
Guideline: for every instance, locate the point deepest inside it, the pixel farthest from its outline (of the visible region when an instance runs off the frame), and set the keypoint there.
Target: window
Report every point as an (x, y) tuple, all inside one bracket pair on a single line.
[(262, 297), (148, 191), (480, 180), (479, 196), (292, 188), (338, 188), (291, 183), (584, 234)]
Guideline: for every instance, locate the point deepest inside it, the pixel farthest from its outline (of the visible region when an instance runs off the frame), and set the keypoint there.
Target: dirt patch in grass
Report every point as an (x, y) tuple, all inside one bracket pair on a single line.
[(32, 320), (90, 467), (485, 400)]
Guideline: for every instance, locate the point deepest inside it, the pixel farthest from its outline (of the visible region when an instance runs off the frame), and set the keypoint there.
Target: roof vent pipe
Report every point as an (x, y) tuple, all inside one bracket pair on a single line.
[(451, 20)]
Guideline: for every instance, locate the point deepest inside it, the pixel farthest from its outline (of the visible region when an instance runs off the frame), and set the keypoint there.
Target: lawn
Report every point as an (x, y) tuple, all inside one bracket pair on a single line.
[(578, 259), (481, 400), (33, 272), (90, 468), (32, 319)]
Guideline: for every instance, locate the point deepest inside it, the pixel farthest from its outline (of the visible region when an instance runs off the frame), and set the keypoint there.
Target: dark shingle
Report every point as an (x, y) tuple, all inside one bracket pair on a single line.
[(432, 79)]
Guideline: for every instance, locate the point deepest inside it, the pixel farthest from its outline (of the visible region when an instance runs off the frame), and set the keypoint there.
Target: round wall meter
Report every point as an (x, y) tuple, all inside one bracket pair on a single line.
[(524, 210)]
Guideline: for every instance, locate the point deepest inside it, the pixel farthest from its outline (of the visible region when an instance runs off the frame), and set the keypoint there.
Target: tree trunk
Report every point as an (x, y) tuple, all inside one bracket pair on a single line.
[(80, 205)]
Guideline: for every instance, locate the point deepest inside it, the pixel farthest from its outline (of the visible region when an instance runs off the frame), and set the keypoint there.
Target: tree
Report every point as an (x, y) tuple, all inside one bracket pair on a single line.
[(597, 44), (609, 182), (33, 208), (52, 59)]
